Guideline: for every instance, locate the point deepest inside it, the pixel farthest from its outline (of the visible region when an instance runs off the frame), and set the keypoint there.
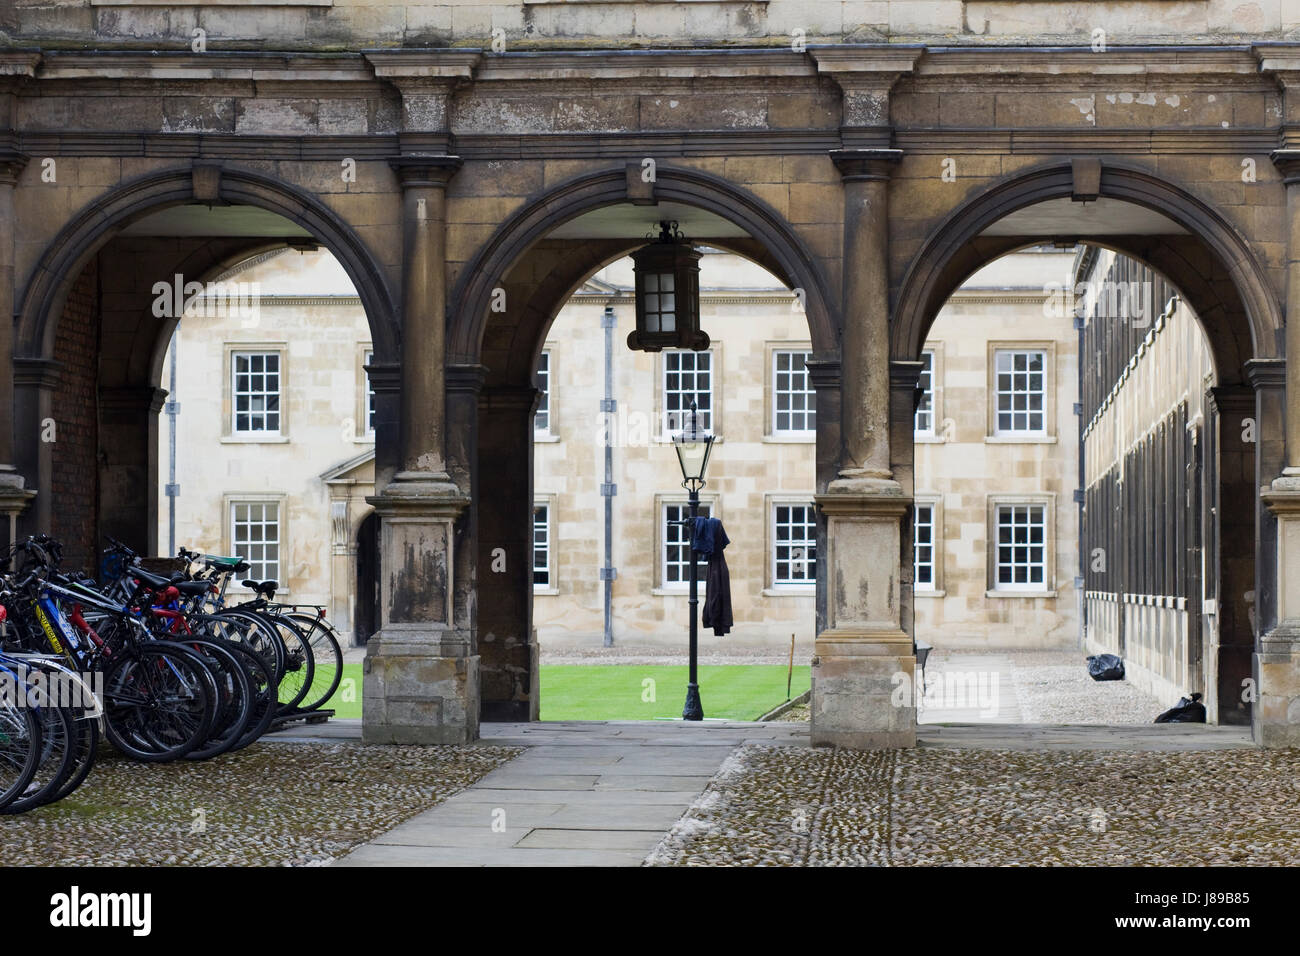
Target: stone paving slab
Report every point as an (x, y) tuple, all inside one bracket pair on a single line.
[(598, 793)]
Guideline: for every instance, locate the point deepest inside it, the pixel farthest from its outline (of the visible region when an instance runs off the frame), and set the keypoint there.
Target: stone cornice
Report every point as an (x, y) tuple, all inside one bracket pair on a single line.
[(326, 68), (1116, 61), (413, 171), (857, 165), (640, 65), (860, 67), (424, 69)]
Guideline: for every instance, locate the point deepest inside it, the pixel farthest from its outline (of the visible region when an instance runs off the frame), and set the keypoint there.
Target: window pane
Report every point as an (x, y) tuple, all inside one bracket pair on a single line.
[(255, 392), (794, 408), (688, 376), (794, 544), (677, 545), (1021, 390)]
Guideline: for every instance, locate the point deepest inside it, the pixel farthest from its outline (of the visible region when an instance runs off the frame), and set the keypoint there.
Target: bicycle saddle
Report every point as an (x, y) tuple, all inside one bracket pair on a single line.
[(266, 589)]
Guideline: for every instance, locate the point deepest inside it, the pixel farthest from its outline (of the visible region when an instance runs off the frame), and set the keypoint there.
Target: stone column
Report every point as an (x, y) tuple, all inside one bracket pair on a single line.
[(421, 681), (1228, 662), (14, 495), (864, 665), (507, 642), (1276, 667), (865, 336)]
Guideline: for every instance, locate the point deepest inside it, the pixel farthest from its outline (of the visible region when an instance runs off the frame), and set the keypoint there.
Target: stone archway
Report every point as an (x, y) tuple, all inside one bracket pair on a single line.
[(1221, 279), (118, 370), (492, 384)]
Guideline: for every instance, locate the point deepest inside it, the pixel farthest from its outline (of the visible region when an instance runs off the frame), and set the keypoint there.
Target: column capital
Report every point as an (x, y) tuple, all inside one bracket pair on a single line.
[(12, 164), (824, 372), (385, 378), (519, 398), (38, 372), (466, 378), (1288, 163), (857, 165), (425, 171), (905, 374), (1265, 373), (1232, 399)]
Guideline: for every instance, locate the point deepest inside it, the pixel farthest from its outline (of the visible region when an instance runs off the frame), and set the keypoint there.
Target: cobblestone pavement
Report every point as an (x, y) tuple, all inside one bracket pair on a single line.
[(270, 804), (799, 806)]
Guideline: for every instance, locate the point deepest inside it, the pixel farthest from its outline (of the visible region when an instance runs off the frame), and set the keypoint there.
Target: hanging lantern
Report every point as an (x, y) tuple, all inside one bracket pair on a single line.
[(667, 294)]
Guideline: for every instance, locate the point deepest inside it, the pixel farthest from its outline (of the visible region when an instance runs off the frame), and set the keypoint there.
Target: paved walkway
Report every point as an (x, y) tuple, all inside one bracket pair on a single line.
[(596, 793), (584, 794)]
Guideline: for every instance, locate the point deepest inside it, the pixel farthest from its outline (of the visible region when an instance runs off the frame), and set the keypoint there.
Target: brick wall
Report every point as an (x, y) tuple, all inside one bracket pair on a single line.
[(75, 469)]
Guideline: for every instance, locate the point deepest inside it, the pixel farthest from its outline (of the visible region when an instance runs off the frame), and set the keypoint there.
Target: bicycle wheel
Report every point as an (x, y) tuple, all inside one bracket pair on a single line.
[(265, 704), (299, 664), (87, 750), (58, 751), (328, 657), (158, 705), (234, 699), (20, 750), (255, 632)]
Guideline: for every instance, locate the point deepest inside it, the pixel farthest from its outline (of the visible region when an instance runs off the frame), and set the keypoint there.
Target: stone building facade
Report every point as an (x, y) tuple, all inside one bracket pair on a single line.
[(995, 523), (273, 428), (1155, 424), (872, 156)]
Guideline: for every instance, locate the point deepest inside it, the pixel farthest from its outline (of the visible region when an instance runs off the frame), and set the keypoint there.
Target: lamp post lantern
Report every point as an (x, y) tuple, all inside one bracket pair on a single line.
[(693, 445), (667, 275)]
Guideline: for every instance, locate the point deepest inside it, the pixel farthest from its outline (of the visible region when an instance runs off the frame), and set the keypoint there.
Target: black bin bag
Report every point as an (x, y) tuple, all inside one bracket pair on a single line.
[(1188, 710), (1105, 667)]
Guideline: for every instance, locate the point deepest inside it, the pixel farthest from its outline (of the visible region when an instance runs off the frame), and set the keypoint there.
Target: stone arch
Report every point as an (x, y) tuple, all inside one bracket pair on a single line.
[(787, 255), (955, 249), (98, 222)]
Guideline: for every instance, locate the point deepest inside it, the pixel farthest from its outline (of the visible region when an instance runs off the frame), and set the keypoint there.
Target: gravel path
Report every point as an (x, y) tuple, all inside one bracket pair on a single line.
[(270, 804), (1053, 687), (792, 806)]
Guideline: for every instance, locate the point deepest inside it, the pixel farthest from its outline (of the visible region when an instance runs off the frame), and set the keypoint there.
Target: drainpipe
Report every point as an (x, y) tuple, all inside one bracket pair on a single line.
[(608, 489), (173, 410)]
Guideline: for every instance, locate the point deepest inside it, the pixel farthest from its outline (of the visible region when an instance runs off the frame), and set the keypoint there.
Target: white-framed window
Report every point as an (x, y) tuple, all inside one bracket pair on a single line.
[(255, 393), (1020, 392), (794, 401), (925, 410), (924, 566), (1020, 549), (256, 535), (368, 396), (543, 579), (794, 543), (688, 377), (676, 569), (542, 417)]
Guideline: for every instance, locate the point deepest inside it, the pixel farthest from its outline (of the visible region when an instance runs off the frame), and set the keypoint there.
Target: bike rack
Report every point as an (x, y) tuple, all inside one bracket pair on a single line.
[(310, 716)]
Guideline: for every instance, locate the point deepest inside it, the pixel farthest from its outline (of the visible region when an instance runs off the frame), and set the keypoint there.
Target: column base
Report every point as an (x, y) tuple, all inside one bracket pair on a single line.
[(862, 690), (421, 686), (1275, 718)]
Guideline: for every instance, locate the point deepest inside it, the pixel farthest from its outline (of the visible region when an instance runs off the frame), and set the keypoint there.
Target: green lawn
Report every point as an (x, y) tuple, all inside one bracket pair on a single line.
[(621, 691)]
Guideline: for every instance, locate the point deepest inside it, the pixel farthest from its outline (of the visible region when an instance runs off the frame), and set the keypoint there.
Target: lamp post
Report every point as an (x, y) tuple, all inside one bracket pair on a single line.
[(693, 446)]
